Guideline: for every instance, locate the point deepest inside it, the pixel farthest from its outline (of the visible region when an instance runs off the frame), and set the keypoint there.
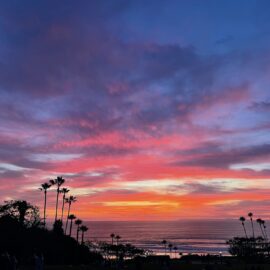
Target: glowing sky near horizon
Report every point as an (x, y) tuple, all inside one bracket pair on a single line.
[(152, 110)]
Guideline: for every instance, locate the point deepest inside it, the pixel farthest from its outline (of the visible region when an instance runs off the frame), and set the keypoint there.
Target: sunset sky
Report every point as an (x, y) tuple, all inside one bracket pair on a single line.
[(151, 110)]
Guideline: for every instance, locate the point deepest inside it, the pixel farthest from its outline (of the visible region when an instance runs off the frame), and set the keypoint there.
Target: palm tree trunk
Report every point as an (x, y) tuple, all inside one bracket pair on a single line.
[(63, 205), (56, 207), (82, 237), (253, 234), (262, 231), (112, 241), (244, 229), (70, 228), (77, 234), (45, 205), (165, 249), (67, 217), (265, 233)]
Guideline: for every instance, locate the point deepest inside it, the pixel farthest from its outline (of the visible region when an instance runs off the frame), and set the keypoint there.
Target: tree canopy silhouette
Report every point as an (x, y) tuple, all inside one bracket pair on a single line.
[(22, 236), (26, 214)]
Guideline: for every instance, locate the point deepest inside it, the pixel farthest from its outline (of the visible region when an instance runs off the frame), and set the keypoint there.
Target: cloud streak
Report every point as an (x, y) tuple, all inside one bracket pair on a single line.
[(135, 109)]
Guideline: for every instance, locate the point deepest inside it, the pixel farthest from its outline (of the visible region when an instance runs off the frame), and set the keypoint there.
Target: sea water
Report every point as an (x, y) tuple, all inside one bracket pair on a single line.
[(194, 236)]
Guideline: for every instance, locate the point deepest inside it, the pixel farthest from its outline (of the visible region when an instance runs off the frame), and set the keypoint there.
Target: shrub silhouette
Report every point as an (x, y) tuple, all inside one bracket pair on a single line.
[(25, 213), (22, 238)]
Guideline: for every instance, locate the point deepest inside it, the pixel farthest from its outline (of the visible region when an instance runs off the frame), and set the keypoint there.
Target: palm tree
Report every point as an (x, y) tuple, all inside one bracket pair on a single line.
[(59, 181), (164, 242), (175, 250), (117, 237), (112, 236), (44, 187), (264, 227), (78, 222), (71, 217), (64, 191), (83, 230), (69, 201), (170, 246), (242, 219), (259, 221), (251, 220)]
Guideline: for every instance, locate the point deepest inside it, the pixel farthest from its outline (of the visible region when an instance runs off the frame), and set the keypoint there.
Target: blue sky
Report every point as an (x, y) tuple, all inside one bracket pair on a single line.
[(162, 103)]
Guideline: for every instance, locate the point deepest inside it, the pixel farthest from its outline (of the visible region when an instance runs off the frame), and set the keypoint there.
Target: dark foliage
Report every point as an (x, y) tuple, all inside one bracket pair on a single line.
[(249, 247), (25, 213), (119, 251), (58, 227), (23, 239)]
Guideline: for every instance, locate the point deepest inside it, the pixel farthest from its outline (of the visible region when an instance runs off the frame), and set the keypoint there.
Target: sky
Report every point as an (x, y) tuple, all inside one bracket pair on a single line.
[(151, 110)]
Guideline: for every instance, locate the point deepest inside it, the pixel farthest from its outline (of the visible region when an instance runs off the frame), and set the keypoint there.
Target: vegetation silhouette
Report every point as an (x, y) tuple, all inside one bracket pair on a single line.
[(71, 218), (26, 214), (170, 246), (251, 221), (112, 237), (69, 201), (44, 187), (78, 222), (260, 222), (175, 248), (22, 233), (64, 191), (254, 248), (242, 219), (83, 229), (117, 237), (164, 242), (264, 227), (58, 227), (59, 181), (25, 234), (123, 251)]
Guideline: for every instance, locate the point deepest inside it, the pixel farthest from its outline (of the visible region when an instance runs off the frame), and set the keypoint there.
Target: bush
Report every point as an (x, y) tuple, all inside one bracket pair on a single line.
[(23, 238), (248, 247)]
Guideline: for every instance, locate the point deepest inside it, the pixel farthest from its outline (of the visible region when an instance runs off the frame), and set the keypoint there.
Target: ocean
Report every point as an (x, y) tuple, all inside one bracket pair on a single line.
[(196, 237)]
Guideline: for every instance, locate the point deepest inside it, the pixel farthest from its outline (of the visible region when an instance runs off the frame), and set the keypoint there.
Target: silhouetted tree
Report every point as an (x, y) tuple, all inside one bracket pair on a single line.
[(124, 251), (78, 222), (164, 242), (251, 221), (264, 229), (117, 237), (259, 221), (44, 187), (83, 230), (71, 218), (242, 219), (175, 251), (64, 191), (20, 235), (112, 236), (69, 201), (59, 181), (170, 246), (58, 227), (26, 214), (247, 247)]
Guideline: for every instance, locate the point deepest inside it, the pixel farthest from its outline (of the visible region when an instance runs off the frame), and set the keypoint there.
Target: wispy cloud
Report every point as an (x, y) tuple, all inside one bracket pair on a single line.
[(136, 105)]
